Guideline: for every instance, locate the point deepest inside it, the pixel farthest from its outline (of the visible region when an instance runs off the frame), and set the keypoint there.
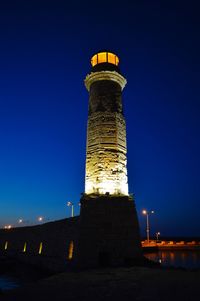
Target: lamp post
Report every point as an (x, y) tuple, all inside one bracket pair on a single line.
[(145, 212), (20, 222), (157, 235), (70, 204), (24, 222)]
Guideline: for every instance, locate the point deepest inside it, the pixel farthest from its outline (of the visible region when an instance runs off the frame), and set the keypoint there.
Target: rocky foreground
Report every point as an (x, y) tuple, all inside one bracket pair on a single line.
[(135, 283)]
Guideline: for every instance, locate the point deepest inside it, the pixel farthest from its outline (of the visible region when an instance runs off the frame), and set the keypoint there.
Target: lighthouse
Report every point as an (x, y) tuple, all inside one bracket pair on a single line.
[(109, 230), (106, 170)]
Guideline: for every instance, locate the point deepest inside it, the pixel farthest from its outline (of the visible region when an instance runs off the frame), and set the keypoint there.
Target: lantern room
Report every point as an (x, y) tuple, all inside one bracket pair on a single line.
[(104, 57)]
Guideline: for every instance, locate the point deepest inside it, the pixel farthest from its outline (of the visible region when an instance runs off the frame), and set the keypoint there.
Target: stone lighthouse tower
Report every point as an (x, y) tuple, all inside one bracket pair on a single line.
[(106, 170), (109, 231)]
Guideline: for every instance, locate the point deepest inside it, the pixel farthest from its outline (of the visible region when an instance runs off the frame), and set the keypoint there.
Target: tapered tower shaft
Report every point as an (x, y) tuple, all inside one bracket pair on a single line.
[(106, 170)]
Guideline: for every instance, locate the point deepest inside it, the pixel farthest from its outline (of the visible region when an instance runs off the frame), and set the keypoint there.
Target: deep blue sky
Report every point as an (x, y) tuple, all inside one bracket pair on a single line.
[(45, 55)]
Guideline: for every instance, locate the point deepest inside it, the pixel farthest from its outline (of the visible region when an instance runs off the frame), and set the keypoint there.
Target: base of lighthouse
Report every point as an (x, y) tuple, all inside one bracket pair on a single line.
[(109, 232)]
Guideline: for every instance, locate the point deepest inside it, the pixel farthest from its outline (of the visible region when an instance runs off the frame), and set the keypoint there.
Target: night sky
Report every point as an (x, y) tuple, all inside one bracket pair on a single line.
[(45, 54)]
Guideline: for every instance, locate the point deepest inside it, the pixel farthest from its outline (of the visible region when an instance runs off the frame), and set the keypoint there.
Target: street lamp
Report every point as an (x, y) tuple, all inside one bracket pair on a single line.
[(23, 222), (157, 235), (70, 204), (40, 219), (145, 212), (7, 227)]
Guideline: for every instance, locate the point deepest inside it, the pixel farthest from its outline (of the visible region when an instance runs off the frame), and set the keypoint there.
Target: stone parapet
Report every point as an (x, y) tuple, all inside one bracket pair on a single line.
[(105, 75)]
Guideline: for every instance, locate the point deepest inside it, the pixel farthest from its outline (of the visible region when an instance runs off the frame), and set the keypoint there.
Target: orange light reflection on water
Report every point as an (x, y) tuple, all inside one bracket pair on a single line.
[(185, 259)]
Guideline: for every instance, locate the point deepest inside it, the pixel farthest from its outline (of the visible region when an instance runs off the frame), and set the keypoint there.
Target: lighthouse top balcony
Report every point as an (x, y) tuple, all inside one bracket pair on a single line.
[(105, 60)]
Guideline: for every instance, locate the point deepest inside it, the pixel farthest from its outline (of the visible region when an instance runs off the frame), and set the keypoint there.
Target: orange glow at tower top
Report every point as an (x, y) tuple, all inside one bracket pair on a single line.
[(104, 57)]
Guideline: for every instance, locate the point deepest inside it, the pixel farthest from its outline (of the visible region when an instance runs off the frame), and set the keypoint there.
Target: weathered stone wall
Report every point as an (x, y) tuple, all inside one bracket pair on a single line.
[(106, 162), (54, 237)]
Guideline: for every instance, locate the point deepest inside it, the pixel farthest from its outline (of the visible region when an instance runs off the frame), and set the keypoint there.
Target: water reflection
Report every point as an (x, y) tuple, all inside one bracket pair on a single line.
[(7, 283), (184, 259)]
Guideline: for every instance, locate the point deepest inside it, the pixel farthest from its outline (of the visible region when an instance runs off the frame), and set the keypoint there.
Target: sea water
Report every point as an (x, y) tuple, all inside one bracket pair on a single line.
[(7, 283), (183, 259)]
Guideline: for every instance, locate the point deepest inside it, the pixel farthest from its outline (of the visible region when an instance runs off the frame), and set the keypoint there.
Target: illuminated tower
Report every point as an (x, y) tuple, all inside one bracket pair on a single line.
[(109, 231), (106, 134)]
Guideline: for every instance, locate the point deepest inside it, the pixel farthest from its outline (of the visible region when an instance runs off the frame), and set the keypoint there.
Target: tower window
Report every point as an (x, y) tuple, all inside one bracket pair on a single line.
[(94, 60), (113, 59), (102, 57)]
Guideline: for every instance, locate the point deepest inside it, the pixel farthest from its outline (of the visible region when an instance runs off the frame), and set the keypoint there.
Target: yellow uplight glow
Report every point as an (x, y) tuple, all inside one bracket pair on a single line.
[(71, 250), (113, 187), (40, 249), (104, 57), (6, 245), (24, 249)]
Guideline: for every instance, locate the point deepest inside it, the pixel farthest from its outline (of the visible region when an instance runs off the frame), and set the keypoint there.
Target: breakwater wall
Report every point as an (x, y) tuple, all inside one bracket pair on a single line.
[(154, 246), (51, 245)]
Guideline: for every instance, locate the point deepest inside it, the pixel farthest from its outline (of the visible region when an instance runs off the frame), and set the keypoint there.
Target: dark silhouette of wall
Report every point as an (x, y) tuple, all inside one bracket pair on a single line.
[(51, 245), (109, 232)]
